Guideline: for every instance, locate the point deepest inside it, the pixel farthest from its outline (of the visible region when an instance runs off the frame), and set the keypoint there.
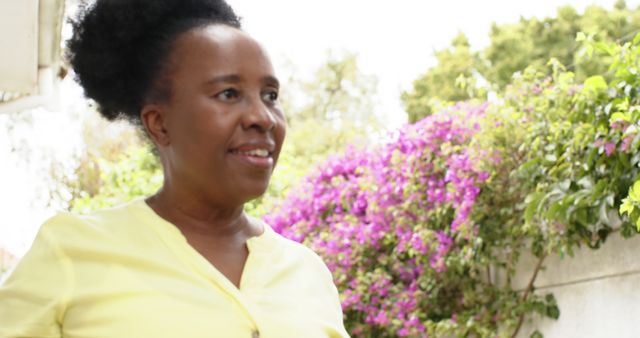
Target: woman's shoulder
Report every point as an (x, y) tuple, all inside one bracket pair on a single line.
[(291, 250), (65, 225), (279, 242)]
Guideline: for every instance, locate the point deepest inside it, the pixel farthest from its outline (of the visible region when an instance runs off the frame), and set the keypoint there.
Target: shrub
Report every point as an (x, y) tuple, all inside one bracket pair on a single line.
[(396, 225)]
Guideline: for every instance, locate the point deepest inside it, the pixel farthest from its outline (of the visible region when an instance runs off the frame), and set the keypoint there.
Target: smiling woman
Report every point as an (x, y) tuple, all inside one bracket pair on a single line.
[(220, 134), (187, 261)]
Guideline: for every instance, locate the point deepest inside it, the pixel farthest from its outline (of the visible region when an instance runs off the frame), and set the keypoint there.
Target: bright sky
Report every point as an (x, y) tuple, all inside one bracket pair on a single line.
[(395, 41)]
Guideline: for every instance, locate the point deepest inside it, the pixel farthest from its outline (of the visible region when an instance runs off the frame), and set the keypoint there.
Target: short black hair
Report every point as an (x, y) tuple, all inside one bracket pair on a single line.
[(120, 48)]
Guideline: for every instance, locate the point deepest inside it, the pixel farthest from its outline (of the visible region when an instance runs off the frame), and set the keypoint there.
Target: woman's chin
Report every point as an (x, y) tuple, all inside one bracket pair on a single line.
[(255, 192)]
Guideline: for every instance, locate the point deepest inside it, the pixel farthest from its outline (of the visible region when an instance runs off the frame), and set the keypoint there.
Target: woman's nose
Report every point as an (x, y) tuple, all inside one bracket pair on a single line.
[(258, 115)]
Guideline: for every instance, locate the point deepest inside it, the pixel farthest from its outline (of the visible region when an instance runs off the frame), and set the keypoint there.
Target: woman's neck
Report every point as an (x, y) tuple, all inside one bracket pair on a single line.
[(198, 216)]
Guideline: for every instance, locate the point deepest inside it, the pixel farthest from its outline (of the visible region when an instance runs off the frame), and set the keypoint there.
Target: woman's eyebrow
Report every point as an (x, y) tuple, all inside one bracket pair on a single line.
[(268, 80), (223, 78), (271, 81)]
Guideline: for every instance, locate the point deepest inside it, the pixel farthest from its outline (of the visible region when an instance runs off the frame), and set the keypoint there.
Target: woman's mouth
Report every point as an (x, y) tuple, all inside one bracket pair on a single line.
[(256, 157)]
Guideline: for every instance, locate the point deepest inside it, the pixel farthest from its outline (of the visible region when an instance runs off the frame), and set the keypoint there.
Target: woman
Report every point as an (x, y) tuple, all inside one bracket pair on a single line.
[(187, 261)]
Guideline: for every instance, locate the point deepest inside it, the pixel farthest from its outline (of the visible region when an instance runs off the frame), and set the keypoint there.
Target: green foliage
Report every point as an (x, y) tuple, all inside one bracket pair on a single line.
[(452, 80), (116, 165), (625, 109), (532, 42), (529, 43), (339, 91), (580, 151), (631, 204), (134, 173)]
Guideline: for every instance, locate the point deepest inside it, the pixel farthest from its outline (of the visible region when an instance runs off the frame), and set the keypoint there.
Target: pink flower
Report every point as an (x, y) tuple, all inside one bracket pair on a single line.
[(454, 317), (618, 125), (609, 148), (381, 318), (626, 142), (536, 89)]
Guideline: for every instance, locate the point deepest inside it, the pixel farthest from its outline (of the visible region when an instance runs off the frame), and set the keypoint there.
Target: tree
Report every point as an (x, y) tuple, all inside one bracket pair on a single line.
[(443, 82), (530, 42), (533, 42), (339, 91), (527, 43), (115, 165)]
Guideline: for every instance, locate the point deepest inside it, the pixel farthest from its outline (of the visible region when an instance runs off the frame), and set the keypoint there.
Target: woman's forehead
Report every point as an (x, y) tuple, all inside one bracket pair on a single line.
[(220, 47)]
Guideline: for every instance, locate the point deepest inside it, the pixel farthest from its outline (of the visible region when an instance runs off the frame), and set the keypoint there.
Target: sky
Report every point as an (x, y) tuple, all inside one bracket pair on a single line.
[(394, 41)]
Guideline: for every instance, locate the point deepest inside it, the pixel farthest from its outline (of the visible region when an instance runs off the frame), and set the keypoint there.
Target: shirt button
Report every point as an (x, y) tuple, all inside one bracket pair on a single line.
[(255, 334)]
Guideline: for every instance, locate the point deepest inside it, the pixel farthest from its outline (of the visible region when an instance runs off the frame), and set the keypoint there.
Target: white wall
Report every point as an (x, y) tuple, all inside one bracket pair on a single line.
[(19, 44), (598, 291)]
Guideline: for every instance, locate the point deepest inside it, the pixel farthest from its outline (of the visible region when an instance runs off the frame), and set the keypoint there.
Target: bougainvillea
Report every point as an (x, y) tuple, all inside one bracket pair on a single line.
[(387, 219)]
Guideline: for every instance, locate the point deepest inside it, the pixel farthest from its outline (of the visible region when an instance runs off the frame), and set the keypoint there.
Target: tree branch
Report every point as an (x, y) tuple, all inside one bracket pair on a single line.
[(527, 291)]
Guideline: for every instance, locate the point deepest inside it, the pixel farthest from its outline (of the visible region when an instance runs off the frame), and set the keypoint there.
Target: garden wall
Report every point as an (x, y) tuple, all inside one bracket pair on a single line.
[(598, 291)]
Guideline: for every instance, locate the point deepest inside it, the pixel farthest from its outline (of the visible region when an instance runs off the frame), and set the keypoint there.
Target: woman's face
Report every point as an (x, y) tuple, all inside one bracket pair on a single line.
[(223, 125)]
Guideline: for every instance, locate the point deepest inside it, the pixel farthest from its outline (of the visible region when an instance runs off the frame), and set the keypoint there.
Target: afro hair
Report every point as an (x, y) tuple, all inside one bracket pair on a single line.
[(120, 48)]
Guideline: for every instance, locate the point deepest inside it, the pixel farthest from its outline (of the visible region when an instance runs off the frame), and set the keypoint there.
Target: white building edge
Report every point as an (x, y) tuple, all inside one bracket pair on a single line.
[(30, 62)]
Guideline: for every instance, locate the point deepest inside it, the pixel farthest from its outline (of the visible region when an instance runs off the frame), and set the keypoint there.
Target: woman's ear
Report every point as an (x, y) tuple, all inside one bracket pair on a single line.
[(153, 118)]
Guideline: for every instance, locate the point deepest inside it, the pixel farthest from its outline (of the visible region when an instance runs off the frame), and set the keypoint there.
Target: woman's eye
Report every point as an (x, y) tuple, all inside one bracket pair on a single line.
[(270, 96), (227, 94)]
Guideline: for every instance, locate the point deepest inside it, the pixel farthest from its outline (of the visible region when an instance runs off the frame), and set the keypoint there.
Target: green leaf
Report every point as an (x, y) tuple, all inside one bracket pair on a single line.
[(603, 214), (551, 158), (555, 210), (533, 200), (610, 199), (536, 334), (583, 37), (529, 164), (589, 50), (582, 216), (605, 48), (586, 182), (626, 207), (553, 312), (620, 117), (634, 193), (636, 39), (595, 84)]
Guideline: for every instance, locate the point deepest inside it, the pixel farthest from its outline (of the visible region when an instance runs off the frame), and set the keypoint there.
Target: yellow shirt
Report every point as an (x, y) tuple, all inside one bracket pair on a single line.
[(126, 272)]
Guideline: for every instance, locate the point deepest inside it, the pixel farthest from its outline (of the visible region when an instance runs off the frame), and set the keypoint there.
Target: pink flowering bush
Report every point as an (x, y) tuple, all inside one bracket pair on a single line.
[(396, 226)]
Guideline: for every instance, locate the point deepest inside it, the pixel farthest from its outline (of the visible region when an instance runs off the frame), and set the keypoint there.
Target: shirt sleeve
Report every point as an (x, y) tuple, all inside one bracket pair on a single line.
[(333, 298), (32, 298)]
